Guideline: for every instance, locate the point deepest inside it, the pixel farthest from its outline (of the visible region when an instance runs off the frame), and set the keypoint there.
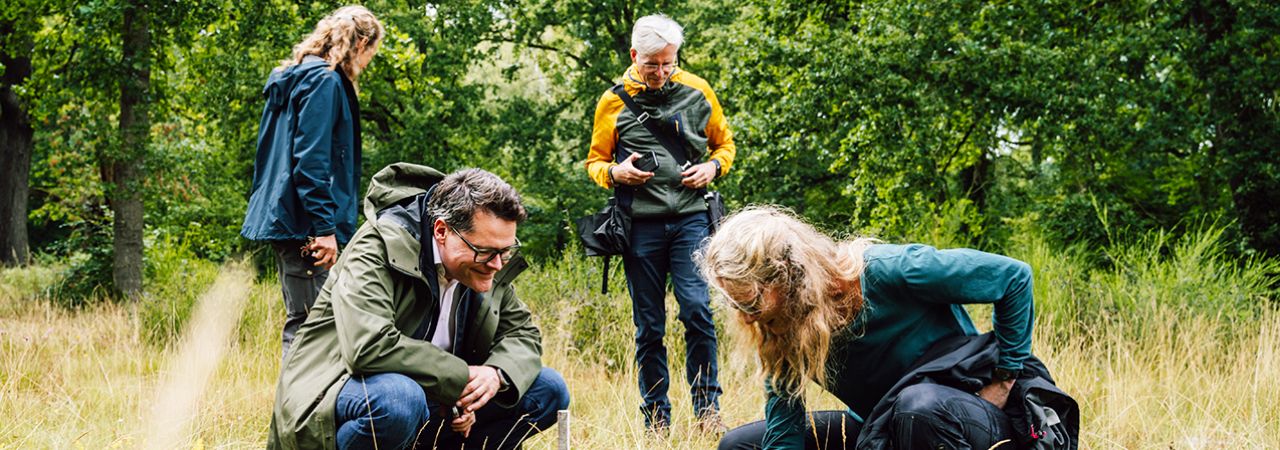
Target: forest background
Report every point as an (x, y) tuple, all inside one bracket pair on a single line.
[(1128, 150)]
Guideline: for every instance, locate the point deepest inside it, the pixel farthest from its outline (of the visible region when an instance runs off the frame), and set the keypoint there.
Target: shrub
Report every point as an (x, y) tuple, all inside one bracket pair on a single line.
[(1147, 280), (175, 279)]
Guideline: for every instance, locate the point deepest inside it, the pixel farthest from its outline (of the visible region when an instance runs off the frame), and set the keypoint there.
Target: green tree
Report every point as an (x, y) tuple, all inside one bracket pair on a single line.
[(902, 114), (91, 88), (16, 132)]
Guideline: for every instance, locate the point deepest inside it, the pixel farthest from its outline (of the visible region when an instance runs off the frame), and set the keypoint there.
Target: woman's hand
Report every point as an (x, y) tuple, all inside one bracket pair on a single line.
[(997, 392), (325, 250)]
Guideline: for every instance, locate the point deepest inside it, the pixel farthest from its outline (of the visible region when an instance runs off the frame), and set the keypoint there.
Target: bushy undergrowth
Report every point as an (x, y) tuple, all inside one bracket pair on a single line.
[(1144, 282), (1170, 344), (86, 277), (565, 295), (175, 279)]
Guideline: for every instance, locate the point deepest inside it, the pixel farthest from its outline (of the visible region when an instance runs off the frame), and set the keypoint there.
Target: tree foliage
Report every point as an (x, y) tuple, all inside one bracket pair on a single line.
[(897, 113), (947, 121)]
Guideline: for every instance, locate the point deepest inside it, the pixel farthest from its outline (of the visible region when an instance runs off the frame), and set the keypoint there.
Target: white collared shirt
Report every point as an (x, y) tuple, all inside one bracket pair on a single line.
[(445, 324)]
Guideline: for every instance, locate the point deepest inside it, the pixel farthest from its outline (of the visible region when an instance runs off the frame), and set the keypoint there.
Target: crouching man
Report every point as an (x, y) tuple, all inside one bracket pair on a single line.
[(418, 339)]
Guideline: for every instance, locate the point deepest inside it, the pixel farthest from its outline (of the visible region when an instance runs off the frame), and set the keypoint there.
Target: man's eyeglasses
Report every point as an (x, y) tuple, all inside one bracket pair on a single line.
[(484, 255), (666, 67)]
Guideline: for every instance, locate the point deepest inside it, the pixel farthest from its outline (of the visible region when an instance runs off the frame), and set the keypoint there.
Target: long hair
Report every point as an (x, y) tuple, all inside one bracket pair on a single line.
[(337, 39), (766, 248)]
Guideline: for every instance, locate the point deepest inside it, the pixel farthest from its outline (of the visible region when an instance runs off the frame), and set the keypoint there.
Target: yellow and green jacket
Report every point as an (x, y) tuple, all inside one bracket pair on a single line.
[(685, 103)]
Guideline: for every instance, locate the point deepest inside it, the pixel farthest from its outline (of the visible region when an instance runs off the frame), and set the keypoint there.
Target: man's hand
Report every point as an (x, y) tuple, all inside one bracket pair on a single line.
[(462, 424), (482, 385), (698, 176), (627, 173), (997, 392), (325, 250)]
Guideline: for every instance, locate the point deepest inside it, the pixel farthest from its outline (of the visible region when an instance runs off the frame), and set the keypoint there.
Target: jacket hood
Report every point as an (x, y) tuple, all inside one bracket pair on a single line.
[(395, 202), (397, 182), (283, 80)]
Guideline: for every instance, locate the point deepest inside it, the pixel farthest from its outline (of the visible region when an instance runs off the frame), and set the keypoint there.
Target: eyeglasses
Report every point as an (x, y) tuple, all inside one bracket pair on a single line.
[(484, 255), (751, 310), (665, 67)]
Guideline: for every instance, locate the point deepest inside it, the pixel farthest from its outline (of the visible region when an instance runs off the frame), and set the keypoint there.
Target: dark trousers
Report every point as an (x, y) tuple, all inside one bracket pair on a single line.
[(391, 411), (834, 430), (300, 283), (926, 416), (662, 247)]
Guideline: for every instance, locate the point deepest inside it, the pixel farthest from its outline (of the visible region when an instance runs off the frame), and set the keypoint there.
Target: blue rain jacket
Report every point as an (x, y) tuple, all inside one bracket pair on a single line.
[(306, 175)]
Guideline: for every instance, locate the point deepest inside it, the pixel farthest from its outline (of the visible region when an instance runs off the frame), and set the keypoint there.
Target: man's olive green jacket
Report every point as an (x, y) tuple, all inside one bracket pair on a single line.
[(377, 296)]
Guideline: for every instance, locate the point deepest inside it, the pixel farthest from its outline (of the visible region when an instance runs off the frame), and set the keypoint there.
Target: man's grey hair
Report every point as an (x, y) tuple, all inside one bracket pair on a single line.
[(654, 32), (461, 193)]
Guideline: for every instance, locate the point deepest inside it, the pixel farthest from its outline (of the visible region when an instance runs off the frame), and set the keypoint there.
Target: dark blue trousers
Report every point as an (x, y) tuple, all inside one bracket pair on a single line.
[(391, 411), (662, 248), (926, 416)]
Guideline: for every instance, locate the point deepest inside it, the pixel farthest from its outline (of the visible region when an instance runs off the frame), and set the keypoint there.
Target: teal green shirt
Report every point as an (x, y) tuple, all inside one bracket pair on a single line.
[(913, 296)]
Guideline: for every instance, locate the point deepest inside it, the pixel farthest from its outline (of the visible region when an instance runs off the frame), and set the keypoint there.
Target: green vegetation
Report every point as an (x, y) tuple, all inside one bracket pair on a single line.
[(1126, 150), (1151, 361), (897, 118)]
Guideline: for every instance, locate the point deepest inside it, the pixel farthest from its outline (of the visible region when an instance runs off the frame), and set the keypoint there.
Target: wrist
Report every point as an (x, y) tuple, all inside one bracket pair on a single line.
[(715, 163), (503, 382), (609, 171), (1000, 374)]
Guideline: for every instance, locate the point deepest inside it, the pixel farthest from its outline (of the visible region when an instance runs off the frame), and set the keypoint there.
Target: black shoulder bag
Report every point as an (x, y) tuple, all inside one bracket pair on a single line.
[(606, 233), (715, 203)]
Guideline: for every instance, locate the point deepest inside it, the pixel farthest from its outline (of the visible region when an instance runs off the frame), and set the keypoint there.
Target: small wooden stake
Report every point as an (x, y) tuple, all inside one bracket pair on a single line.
[(562, 419)]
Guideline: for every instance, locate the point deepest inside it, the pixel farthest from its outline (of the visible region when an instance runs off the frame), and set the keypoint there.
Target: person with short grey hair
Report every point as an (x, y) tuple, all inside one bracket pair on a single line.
[(654, 33), (664, 191), (418, 339)]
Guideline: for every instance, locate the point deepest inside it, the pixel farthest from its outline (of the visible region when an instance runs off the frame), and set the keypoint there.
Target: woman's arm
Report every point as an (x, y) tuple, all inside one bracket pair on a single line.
[(313, 150), (784, 421), (964, 276)]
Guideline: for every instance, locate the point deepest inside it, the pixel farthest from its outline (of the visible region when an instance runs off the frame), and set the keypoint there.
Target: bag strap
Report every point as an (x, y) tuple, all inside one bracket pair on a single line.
[(604, 279), (680, 155)]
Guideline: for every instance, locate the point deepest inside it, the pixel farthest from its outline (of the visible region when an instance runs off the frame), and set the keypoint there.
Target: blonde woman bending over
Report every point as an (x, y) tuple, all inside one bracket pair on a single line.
[(882, 328)]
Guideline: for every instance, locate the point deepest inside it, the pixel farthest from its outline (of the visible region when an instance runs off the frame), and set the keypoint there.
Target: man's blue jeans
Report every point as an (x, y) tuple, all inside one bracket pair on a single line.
[(662, 247), (394, 410)]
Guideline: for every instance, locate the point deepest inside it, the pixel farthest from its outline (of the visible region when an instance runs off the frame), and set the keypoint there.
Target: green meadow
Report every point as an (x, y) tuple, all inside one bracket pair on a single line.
[(1173, 346)]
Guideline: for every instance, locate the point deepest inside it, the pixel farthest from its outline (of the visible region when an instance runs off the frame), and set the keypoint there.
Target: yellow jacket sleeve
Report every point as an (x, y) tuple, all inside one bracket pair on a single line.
[(604, 138), (719, 137)]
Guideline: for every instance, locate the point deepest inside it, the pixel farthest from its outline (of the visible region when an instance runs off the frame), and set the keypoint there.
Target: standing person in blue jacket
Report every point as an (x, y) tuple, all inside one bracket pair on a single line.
[(306, 176), (879, 326)]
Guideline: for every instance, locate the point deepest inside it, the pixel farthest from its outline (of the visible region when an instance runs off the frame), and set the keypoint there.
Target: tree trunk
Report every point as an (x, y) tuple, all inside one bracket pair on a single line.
[(127, 167), (974, 181), (15, 150)]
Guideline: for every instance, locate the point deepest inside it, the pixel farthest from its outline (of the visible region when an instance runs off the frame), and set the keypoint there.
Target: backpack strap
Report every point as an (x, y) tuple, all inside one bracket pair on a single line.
[(668, 142)]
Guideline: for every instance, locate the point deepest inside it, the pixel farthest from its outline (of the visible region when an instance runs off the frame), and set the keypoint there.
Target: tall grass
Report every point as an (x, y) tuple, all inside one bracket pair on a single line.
[(1149, 285), (1172, 344)]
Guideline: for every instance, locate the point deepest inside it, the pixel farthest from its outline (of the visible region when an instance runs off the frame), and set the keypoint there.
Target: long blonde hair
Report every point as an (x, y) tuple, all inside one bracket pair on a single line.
[(814, 279), (338, 37)]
